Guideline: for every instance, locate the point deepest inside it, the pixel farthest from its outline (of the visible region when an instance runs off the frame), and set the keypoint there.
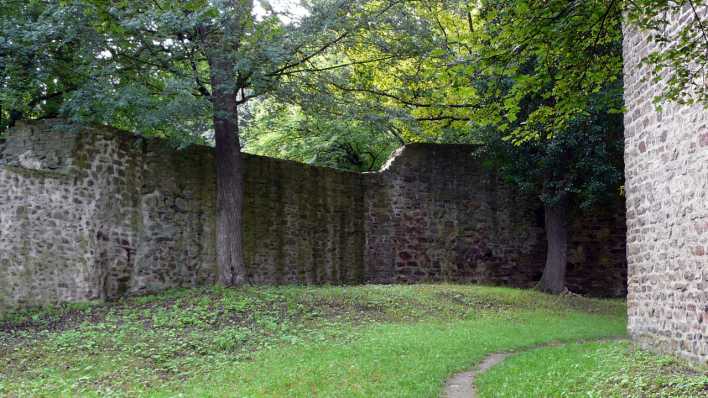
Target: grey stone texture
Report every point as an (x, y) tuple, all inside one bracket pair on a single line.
[(666, 167), (96, 213), (434, 213), (90, 213)]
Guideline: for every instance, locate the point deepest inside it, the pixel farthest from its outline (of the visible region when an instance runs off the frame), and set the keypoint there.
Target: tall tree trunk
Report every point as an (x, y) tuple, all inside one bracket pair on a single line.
[(15, 116), (556, 222), (220, 51), (229, 174)]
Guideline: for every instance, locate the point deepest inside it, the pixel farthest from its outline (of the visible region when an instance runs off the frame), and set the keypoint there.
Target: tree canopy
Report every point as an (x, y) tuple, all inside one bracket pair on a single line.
[(536, 83)]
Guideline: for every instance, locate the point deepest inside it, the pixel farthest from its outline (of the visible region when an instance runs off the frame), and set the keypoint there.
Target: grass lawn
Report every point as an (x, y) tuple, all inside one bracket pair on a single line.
[(593, 370), (361, 341)]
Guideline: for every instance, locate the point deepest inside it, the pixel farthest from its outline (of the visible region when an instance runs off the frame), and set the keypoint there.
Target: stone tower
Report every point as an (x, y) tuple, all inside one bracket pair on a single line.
[(666, 167)]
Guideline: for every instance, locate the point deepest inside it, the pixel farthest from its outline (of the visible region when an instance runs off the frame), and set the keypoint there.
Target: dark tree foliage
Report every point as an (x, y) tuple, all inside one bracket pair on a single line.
[(175, 68)]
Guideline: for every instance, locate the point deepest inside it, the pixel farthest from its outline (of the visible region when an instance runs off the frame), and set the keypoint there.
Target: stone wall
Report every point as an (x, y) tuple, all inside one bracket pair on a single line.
[(303, 223), (437, 214), (666, 162), (95, 213), (444, 217)]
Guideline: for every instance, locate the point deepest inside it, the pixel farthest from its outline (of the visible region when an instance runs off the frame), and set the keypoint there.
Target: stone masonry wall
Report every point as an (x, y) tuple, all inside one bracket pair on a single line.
[(666, 162), (436, 214), (303, 223), (96, 213), (443, 217)]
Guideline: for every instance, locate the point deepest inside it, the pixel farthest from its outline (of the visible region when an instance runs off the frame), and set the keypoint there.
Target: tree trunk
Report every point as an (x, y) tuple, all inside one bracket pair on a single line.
[(556, 222), (229, 175)]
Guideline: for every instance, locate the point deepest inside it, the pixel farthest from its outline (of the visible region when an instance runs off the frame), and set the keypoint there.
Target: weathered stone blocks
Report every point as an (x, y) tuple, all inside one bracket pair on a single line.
[(436, 214), (666, 168), (96, 213)]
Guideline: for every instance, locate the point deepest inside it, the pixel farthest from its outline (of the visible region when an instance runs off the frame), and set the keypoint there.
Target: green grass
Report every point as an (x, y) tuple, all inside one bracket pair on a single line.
[(593, 370), (363, 341)]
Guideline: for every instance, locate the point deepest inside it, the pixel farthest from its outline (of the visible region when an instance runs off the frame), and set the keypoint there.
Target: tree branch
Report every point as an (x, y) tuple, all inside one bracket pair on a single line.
[(399, 99)]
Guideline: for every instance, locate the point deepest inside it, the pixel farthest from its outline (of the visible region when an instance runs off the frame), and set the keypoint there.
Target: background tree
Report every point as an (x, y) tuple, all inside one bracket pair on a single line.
[(45, 54), (179, 69), (340, 141), (534, 81), (577, 170), (538, 83)]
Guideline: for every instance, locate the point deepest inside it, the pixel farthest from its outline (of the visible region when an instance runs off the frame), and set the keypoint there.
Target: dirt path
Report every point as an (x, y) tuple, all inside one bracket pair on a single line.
[(461, 385)]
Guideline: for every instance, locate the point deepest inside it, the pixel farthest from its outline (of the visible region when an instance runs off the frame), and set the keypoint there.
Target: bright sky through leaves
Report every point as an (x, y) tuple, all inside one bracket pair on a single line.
[(287, 10)]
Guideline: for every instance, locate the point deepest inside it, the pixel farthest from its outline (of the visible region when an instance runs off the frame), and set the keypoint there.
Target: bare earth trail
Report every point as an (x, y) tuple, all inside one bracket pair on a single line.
[(462, 385)]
